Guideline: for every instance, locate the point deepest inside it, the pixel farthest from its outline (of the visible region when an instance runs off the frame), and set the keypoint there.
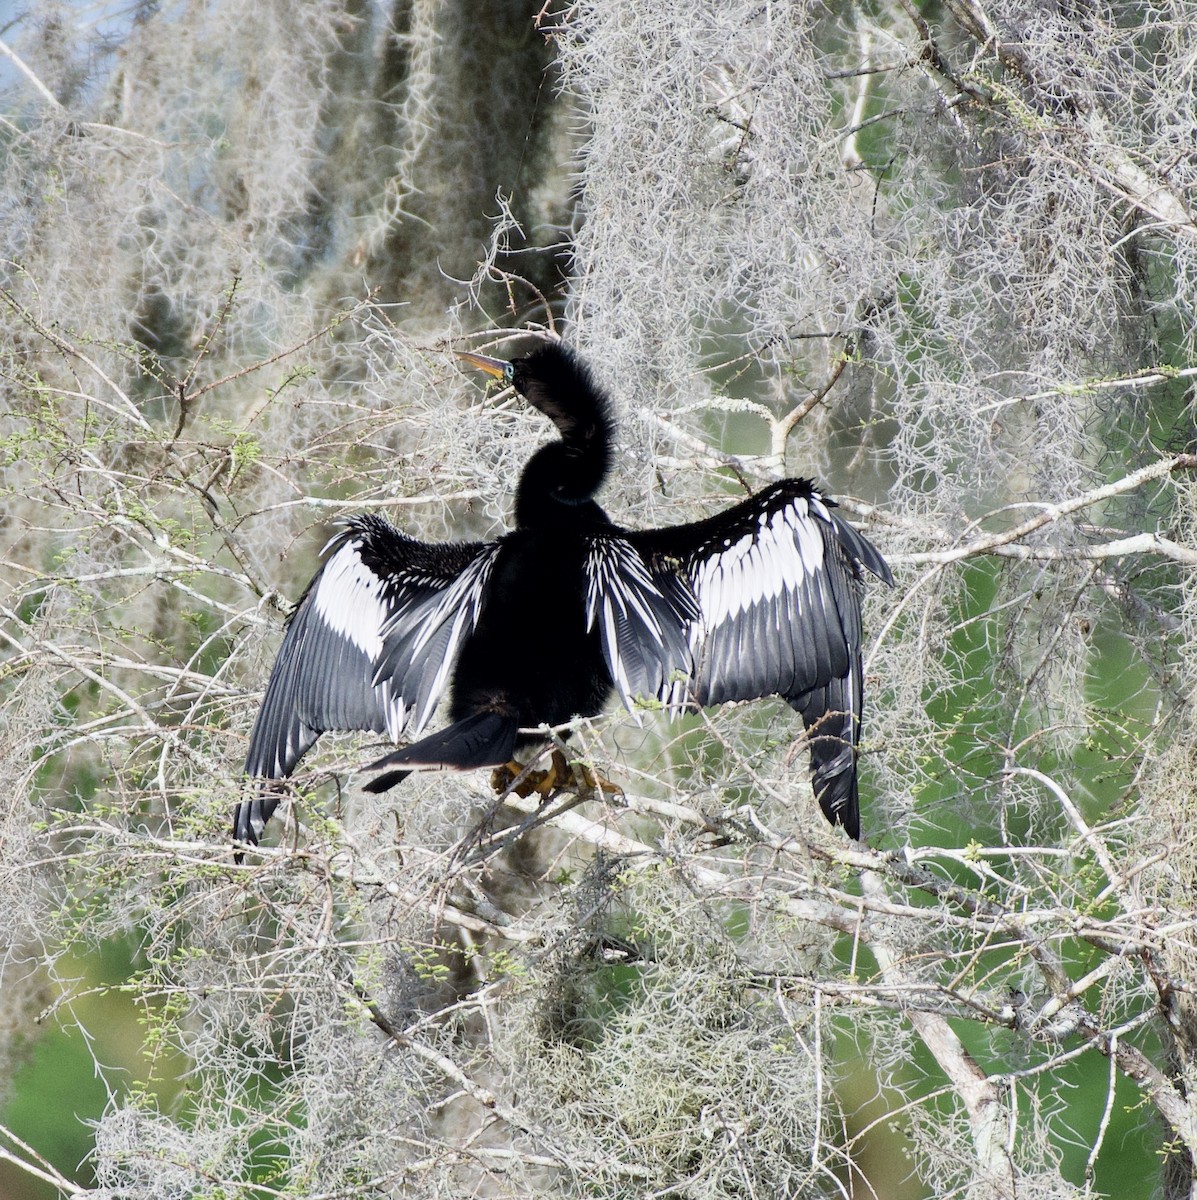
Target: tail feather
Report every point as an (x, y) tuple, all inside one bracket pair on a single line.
[(483, 739)]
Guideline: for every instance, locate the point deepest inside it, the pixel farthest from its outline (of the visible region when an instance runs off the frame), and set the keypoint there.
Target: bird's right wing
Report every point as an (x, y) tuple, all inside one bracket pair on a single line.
[(773, 591), (371, 643)]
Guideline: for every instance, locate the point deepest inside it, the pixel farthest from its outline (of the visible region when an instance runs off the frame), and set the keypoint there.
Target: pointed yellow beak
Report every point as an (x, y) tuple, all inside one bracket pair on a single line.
[(492, 366)]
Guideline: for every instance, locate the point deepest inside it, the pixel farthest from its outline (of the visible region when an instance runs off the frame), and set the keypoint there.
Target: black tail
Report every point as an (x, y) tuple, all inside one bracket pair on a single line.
[(483, 739)]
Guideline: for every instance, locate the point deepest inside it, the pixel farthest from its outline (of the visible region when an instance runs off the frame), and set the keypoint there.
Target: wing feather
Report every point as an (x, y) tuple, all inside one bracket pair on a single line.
[(775, 582), (642, 616), (371, 643)]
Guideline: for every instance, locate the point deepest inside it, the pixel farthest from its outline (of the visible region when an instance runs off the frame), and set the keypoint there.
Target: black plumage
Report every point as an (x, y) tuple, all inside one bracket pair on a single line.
[(543, 624)]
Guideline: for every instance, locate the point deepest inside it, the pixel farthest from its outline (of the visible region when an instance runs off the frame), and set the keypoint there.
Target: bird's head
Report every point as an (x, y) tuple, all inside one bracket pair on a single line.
[(564, 475), (557, 383), (496, 368)]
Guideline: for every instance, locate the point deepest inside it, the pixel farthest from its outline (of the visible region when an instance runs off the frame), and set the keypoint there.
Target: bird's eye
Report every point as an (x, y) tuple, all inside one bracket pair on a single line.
[(509, 372)]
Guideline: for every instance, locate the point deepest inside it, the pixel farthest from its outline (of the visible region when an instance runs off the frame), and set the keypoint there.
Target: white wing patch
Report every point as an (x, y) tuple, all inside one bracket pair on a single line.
[(353, 602), (779, 559), (763, 627), (349, 600)]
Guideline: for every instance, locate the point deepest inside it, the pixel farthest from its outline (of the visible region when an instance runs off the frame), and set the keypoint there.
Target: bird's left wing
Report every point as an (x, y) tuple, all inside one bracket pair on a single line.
[(370, 646), (775, 582)]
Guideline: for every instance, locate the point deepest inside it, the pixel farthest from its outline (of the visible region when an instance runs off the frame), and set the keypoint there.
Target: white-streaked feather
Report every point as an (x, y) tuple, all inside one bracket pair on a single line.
[(347, 659), (459, 605), (778, 560), (642, 630), (396, 713), (349, 600), (757, 591)]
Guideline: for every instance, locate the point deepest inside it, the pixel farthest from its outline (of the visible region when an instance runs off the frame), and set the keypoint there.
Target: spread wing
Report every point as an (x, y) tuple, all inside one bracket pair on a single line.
[(766, 599), (371, 646), (643, 610)]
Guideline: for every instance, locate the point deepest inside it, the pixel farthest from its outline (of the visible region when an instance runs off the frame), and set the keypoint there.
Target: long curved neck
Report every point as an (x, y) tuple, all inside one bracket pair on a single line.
[(557, 487)]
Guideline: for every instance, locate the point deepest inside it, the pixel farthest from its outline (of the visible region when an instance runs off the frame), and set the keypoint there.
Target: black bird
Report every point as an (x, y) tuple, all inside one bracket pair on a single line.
[(543, 624)]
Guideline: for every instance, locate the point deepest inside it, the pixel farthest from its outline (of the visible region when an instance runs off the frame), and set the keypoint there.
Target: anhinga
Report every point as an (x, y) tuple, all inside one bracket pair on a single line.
[(543, 624)]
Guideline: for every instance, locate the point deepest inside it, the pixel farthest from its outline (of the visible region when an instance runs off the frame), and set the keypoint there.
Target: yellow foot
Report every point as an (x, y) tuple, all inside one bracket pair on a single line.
[(501, 778), (592, 781), (543, 783), (559, 776)]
